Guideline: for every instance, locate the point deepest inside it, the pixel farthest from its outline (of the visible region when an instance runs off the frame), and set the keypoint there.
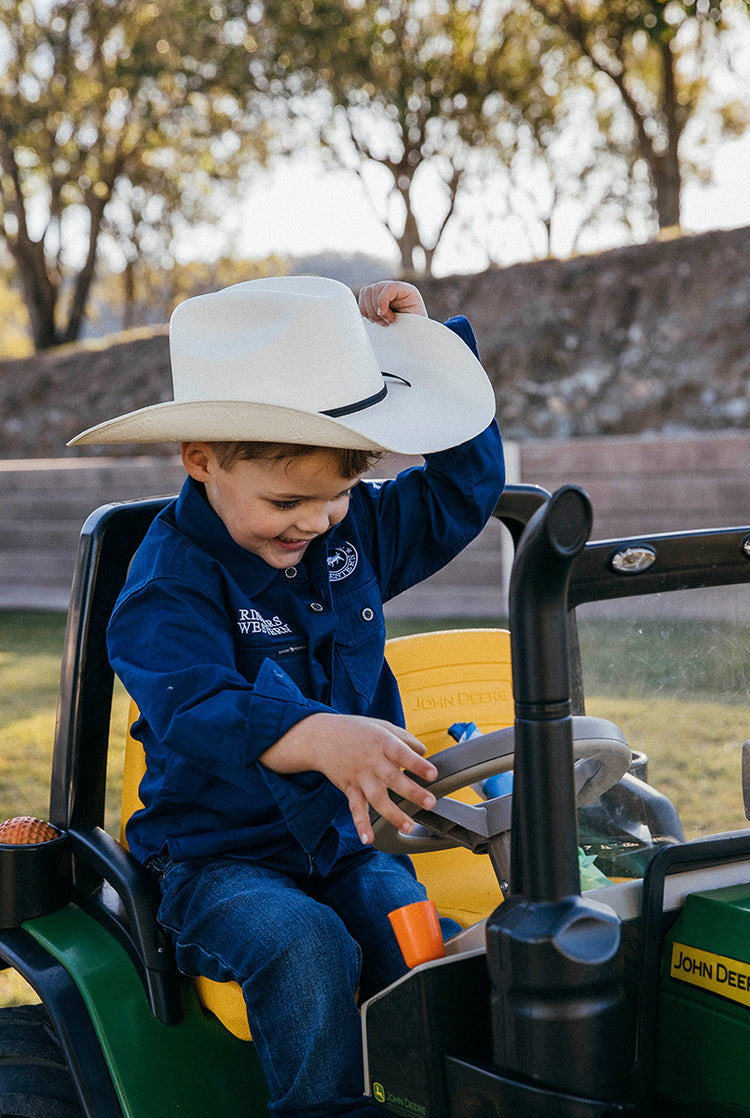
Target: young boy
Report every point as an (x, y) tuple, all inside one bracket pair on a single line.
[(251, 635)]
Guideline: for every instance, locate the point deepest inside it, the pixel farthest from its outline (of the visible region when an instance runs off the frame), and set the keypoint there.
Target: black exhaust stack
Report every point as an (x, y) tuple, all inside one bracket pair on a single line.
[(559, 1017)]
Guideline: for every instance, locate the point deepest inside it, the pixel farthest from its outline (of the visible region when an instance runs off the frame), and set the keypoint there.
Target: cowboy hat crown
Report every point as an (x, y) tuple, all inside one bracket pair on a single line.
[(291, 359)]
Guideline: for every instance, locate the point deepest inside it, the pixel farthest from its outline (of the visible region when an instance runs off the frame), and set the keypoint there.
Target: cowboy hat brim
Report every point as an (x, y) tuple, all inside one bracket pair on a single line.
[(438, 396)]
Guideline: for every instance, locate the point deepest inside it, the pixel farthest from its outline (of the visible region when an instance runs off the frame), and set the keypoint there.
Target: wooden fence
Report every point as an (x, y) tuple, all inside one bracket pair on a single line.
[(637, 485)]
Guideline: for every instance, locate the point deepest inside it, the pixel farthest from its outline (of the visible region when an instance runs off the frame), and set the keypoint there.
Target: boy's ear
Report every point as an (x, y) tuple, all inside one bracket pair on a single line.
[(197, 458)]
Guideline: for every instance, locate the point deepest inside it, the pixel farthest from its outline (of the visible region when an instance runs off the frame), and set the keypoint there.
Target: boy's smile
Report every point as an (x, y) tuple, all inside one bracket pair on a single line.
[(273, 508)]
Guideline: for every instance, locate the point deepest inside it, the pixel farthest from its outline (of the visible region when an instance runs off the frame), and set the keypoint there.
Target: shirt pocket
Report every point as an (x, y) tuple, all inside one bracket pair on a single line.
[(289, 652), (360, 638)]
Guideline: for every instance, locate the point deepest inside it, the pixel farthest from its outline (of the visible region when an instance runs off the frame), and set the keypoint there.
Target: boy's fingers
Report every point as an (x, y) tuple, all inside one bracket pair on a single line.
[(380, 302), (404, 736), (415, 745), (414, 793), (402, 787), (420, 766), (360, 813), (375, 302), (414, 762), (365, 302), (387, 303), (385, 807), (397, 758), (369, 302)]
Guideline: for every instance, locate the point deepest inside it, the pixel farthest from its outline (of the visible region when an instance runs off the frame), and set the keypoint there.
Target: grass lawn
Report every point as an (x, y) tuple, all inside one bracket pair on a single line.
[(30, 652), (680, 692), (692, 728)]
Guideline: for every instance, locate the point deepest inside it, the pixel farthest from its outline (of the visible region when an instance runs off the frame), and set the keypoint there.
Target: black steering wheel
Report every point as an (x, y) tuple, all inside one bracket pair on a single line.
[(601, 757)]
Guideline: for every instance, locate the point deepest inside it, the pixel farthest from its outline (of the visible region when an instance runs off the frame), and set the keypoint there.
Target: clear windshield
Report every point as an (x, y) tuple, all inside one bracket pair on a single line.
[(673, 671)]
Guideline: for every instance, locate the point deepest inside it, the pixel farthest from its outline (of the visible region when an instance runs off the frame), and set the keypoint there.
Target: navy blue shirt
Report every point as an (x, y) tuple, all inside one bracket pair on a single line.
[(223, 653)]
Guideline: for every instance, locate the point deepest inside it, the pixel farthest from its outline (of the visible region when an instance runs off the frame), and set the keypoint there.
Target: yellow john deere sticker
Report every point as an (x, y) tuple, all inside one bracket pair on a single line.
[(719, 974), (398, 1104)]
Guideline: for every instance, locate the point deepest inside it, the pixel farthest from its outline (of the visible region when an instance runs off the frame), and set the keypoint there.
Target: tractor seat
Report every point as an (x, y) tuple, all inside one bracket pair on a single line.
[(454, 675)]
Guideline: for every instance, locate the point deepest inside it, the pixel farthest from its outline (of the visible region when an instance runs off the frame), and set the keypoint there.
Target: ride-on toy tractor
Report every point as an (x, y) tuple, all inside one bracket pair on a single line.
[(604, 965)]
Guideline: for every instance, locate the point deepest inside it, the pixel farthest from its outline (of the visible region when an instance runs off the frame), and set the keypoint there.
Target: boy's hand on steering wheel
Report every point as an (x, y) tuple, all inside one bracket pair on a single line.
[(365, 757)]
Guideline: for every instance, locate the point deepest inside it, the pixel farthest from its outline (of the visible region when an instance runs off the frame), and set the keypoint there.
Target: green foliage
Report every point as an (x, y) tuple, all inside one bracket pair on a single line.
[(114, 119), (411, 85), (146, 295), (447, 98), (130, 122), (659, 55), (14, 333)]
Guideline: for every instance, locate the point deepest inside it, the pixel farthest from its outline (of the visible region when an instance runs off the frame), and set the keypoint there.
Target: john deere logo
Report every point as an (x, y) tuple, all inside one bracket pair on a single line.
[(398, 1104)]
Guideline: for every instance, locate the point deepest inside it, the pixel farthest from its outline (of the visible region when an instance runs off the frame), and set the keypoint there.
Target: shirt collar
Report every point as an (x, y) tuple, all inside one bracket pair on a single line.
[(196, 519)]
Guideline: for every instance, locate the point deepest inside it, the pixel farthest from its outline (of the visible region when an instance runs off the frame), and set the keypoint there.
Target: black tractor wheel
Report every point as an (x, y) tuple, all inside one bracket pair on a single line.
[(34, 1078)]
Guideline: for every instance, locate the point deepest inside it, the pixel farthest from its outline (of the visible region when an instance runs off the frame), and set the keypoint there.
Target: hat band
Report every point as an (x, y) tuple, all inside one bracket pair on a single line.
[(368, 402), (348, 409)]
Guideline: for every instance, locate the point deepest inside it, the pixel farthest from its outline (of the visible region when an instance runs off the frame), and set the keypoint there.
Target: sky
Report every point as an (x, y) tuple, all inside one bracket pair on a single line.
[(302, 208), (726, 204)]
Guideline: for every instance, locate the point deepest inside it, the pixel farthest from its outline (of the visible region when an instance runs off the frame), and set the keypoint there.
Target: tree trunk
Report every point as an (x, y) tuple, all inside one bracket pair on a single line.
[(38, 288), (665, 173), (665, 166), (128, 283), (85, 277), (410, 241), (39, 294)]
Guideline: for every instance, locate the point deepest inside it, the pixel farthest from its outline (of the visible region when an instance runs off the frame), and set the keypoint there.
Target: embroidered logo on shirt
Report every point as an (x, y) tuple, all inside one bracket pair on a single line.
[(250, 621), (342, 562)]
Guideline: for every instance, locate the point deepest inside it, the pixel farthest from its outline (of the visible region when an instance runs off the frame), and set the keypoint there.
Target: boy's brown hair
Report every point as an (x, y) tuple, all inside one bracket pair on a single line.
[(352, 463)]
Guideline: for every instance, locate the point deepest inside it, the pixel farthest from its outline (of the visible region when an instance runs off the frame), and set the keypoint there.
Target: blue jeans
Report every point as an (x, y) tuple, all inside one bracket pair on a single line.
[(301, 945)]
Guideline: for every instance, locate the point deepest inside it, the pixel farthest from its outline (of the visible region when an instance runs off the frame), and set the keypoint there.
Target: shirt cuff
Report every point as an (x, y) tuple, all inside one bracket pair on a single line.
[(278, 704), (446, 460), (307, 800)]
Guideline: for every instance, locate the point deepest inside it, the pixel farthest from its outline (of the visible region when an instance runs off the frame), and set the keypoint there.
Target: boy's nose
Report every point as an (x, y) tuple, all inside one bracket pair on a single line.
[(315, 519)]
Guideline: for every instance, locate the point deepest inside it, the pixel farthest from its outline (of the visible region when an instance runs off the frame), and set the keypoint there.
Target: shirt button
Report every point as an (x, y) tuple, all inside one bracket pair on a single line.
[(367, 614), (291, 572), (316, 607)]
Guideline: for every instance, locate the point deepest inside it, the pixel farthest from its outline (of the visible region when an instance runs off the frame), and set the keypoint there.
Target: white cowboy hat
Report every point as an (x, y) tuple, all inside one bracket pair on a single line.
[(292, 360)]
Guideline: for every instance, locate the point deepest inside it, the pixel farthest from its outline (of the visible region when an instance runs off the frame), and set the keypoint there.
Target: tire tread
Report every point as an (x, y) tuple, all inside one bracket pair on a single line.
[(35, 1081)]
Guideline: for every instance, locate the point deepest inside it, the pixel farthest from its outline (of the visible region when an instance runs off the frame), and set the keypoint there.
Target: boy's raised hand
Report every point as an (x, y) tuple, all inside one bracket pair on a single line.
[(382, 301), (365, 758)]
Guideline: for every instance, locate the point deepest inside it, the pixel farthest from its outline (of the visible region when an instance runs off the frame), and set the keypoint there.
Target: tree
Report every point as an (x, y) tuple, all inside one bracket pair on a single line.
[(151, 293), (430, 92), (14, 334), (659, 55), (115, 115), (571, 168)]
